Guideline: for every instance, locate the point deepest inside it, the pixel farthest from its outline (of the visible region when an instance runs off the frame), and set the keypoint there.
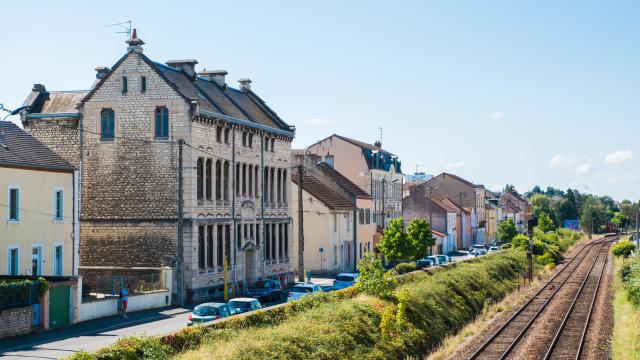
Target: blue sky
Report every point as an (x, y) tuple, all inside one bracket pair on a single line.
[(538, 92)]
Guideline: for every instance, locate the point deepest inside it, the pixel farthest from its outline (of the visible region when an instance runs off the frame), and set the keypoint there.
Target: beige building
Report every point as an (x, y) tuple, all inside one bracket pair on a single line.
[(337, 220), (373, 169), (126, 135), (37, 232)]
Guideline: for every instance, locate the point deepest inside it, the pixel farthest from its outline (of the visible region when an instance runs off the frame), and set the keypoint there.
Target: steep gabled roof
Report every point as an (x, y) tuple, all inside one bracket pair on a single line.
[(314, 186), (19, 149), (224, 100), (342, 181)]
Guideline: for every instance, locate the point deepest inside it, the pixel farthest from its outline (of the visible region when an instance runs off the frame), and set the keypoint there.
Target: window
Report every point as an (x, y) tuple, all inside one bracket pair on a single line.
[(57, 260), (218, 180), (227, 237), (335, 222), (335, 254), (368, 216), (13, 262), (361, 216), (226, 135), (143, 84), (348, 217), (244, 138), (257, 235), (107, 130), (162, 122), (125, 85), (250, 140), (199, 170), (220, 244), (267, 241), (238, 237), (209, 246), (36, 260), (329, 160), (14, 204), (59, 211), (266, 144), (273, 142), (280, 241), (201, 247), (207, 179), (219, 133), (286, 240)]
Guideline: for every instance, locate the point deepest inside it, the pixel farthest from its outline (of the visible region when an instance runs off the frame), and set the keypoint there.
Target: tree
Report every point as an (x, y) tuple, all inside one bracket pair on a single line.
[(419, 233), (540, 203), (623, 248), (372, 279), (394, 244), (593, 215), (506, 231), (509, 188), (545, 223)]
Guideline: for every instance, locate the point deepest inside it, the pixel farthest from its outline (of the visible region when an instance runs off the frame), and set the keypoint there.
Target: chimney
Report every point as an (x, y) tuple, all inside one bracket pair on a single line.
[(187, 66), (245, 84), (217, 76), (38, 88), (135, 44), (102, 72), (377, 144)]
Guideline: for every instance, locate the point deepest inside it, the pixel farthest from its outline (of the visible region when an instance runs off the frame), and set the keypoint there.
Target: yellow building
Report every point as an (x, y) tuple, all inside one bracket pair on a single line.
[(38, 235)]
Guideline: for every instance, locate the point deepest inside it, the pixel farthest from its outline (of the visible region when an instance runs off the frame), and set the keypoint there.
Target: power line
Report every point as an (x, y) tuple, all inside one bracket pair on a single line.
[(38, 212)]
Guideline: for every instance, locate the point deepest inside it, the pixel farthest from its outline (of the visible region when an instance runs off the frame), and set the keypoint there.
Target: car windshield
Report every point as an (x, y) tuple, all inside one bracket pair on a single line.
[(441, 257), (240, 304), (301, 289), (478, 246), (205, 311), (344, 278)]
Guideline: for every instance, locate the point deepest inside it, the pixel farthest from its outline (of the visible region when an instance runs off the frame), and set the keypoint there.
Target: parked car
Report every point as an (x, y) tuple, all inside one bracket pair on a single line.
[(303, 289), (480, 248), (444, 259), (209, 312), (266, 290), (344, 280), (434, 259), (474, 253), (424, 263), (245, 304), (494, 248)]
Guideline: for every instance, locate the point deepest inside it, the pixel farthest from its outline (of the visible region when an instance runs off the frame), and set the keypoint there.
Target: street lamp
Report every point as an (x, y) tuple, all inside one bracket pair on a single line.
[(10, 113)]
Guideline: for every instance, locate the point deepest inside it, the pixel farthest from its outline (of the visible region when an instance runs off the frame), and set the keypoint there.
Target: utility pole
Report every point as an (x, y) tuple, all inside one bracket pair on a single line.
[(637, 233), (300, 225), (180, 263)]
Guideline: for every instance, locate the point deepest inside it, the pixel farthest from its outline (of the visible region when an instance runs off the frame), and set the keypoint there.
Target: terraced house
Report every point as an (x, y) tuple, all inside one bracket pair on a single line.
[(123, 134)]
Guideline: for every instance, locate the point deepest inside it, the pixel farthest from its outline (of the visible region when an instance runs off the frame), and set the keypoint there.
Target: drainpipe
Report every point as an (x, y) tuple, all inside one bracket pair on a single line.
[(264, 234), (233, 209), (355, 239)]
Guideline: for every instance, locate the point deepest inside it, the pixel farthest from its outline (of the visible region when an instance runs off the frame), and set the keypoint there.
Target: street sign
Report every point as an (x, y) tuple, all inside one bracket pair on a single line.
[(321, 250)]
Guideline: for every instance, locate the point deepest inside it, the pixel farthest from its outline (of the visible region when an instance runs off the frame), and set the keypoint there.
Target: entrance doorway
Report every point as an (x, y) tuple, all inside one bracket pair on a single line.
[(250, 266)]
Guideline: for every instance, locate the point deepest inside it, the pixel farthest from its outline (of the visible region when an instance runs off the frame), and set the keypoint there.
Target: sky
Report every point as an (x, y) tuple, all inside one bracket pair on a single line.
[(498, 92)]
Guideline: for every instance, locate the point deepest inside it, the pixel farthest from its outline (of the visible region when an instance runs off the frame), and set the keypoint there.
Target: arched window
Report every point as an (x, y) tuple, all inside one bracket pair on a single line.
[(199, 168), (162, 122), (108, 124)]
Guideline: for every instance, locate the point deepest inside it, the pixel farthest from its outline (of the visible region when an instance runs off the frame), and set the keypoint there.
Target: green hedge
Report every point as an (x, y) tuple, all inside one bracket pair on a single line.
[(20, 292)]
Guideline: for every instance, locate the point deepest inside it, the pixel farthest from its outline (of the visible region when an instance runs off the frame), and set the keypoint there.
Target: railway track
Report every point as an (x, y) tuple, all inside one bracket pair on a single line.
[(581, 275)]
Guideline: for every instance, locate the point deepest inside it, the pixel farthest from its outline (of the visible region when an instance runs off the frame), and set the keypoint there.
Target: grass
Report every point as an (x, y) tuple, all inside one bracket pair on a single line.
[(626, 331)]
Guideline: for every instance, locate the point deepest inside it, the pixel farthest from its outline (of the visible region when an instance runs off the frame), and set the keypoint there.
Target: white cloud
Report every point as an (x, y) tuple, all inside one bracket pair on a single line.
[(456, 165), (499, 115), (560, 161), (320, 121), (619, 156), (583, 169)]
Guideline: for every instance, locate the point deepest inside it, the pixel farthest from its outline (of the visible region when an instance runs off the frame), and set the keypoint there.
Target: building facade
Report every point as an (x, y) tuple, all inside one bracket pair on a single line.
[(127, 135), (39, 218), (373, 169)]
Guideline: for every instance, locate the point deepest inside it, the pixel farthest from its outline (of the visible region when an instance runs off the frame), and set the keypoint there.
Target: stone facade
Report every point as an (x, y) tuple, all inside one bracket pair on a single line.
[(16, 321), (130, 181)]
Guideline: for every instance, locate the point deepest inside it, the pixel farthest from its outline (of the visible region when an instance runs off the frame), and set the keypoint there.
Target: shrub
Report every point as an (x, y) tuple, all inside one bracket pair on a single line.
[(403, 268), (372, 279), (130, 348), (631, 276), (623, 248)]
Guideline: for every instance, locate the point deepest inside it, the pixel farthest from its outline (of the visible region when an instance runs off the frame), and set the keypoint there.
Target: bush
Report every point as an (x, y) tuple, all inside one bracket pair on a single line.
[(623, 248), (548, 247), (372, 279), (130, 348), (18, 291), (630, 274), (403, 268)]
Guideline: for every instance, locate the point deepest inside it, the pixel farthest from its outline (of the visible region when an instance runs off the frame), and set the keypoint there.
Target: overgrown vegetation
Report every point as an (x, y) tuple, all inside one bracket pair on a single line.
[(404, 268), (630, 276), (623, 248), (548, 247), (625, 344), (373, 280), (424, 308), (20, 291)]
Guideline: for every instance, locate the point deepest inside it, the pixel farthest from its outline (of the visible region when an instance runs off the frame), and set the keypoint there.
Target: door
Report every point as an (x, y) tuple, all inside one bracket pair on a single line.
[(250, 266), (59, 306), (36, 261)]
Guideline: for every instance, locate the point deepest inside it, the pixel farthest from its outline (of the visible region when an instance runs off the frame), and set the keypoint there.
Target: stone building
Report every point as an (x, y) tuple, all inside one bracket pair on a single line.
[(123, 134)]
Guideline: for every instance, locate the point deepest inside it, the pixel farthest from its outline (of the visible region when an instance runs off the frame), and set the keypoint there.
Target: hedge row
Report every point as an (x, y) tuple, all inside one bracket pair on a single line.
[(344, 324)]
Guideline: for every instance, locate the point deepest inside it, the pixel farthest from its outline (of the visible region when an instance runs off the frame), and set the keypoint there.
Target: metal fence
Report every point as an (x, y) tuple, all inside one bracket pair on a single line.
[(16, 295), (110, 286)]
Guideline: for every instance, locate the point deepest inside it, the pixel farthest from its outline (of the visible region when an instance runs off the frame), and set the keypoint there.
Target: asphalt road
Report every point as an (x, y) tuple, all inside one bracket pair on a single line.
[(93, 335)]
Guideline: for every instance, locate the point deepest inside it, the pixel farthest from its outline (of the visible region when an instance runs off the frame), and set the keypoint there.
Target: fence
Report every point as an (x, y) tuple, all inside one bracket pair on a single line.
[(18, 294), (110, 285)]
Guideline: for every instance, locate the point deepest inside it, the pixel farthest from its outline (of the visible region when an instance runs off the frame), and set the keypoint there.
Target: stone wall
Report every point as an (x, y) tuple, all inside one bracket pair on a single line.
[(63, 137), (16, 321), (127, 243)]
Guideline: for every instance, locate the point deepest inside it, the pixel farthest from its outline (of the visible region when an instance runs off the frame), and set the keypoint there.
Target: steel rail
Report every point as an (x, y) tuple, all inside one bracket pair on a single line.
[(478, 352), (565, 319)]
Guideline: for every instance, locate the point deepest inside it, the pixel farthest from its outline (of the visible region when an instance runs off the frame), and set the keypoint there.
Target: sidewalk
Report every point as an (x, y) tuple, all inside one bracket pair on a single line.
[(92, 335)]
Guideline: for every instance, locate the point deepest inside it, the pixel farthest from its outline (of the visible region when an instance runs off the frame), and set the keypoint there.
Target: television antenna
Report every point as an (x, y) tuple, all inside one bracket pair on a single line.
[(380, 128), (125, 28)]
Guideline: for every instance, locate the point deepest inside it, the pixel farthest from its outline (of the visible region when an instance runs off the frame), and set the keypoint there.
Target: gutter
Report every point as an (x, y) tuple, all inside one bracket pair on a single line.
[(288, 134), (53, 116)]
